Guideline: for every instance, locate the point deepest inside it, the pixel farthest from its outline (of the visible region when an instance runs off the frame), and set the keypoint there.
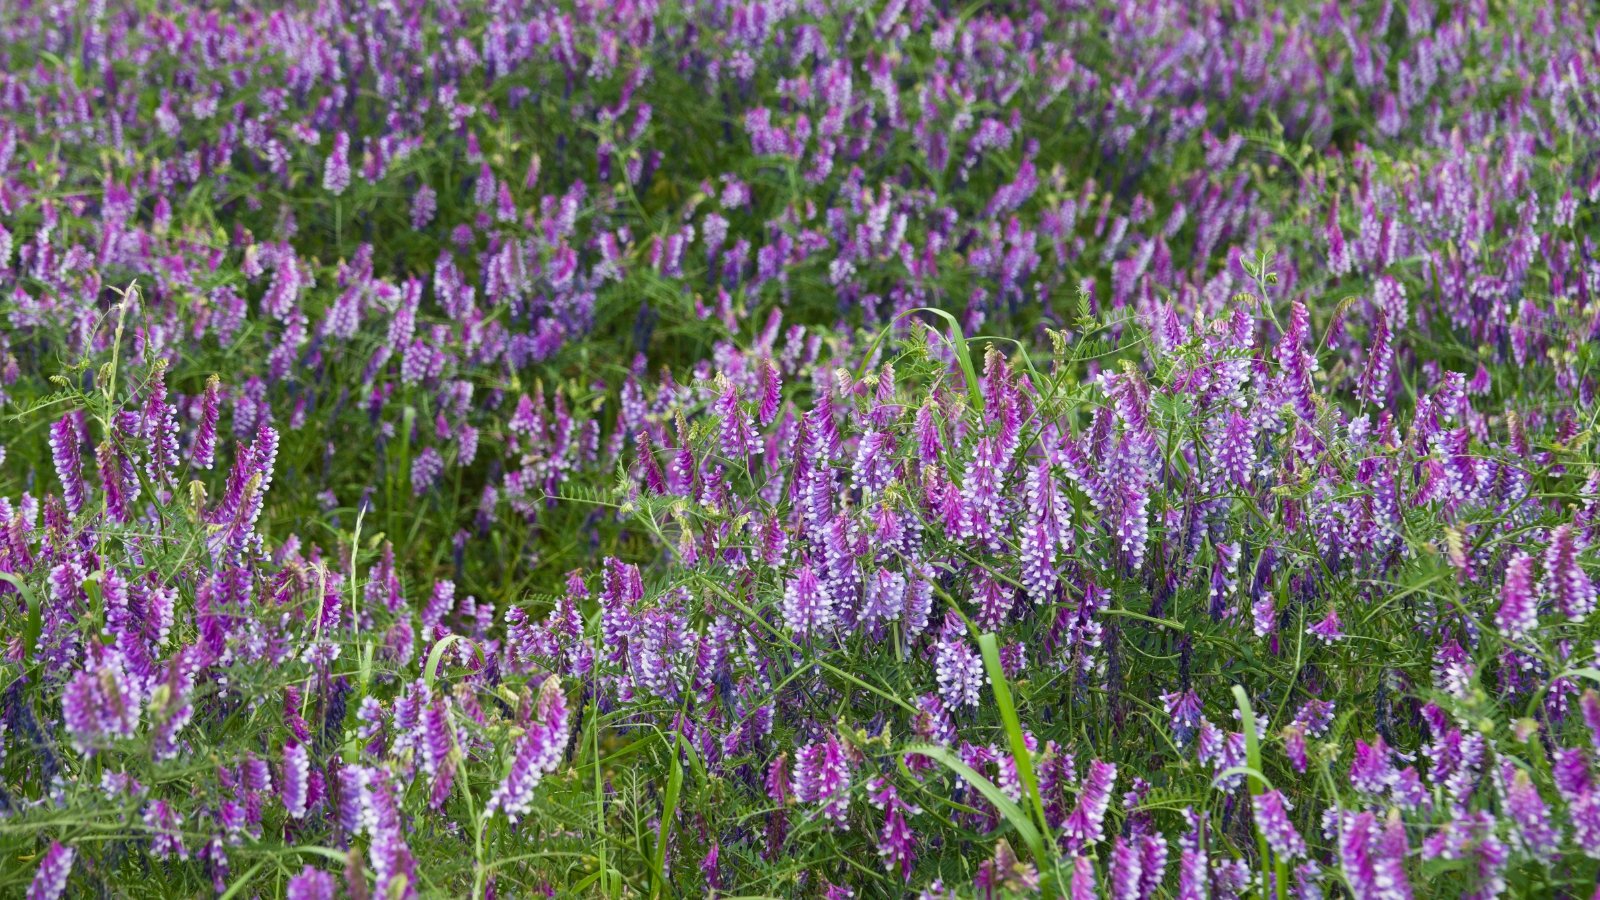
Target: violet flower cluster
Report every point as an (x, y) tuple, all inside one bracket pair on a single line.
[(1221, 509)]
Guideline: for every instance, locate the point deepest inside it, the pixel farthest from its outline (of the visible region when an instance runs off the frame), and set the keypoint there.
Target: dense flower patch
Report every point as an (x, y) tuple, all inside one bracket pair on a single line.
[(799, 449)]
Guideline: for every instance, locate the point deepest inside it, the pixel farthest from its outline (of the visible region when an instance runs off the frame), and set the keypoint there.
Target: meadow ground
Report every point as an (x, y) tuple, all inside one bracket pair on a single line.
[(799, 448)]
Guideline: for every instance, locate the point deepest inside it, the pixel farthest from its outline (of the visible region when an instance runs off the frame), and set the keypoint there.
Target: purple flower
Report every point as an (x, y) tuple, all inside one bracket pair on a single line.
[(1371, 771), (896, 843), (182, 673), (1046, 533), (995, 602), (295, 784), (1373, 857), (884, 600), (1565, 579), (1126, 870), (66, 438), (438, 745), (1272, 822), (1589, 703), (1133, 524), (739, 438), (1083, 827), (777, 790), (981, 520), (771, 387), (158, 426), (1152, 864), (1194, 875), (423, 205), (1373, 386), (1519, 606), (873, 469), (822, 777), (50, 879), (1236, 453), (711, 869), (486, 187), (1223, 750), (1294, 746), (1298, 362), (1529, 813), (654, 479), (929, 441), (1191, 460), (1584, 814), (119, 488), (205, 436), (245, 494), (336, 170), (166, 834), (312, 884), (956, 664), (101, 703), (538, 752), (1083, 887), (1470, 837), (393, 865), (1340, 257), (1327, 630), (1184, 711), (425, 470), (932, 722)]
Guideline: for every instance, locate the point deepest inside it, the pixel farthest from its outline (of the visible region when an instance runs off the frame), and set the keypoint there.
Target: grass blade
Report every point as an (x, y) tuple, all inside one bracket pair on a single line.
[(669, 812), (958, 343), (1009, 810), (1008, 715)]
